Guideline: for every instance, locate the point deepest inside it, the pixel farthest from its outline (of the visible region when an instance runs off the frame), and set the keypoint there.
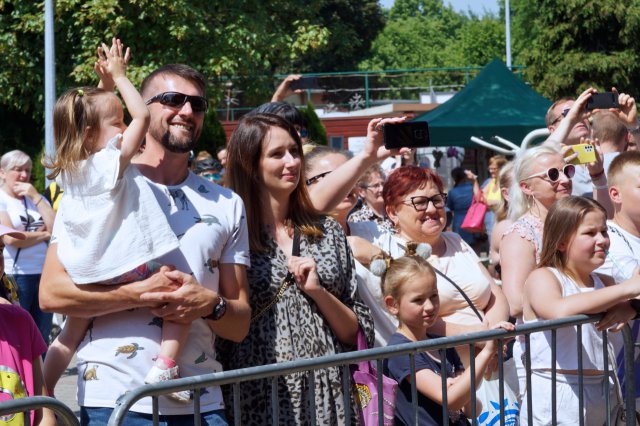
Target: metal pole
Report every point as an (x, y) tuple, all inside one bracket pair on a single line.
[(507, 28), (49, 77)]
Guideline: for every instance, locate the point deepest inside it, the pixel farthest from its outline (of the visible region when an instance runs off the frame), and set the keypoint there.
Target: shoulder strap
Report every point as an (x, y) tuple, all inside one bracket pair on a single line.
[(473, 307)]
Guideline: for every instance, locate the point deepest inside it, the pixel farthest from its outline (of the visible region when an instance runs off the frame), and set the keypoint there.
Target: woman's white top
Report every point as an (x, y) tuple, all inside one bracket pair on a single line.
[(461, 264), (112, 224), (566, 337)]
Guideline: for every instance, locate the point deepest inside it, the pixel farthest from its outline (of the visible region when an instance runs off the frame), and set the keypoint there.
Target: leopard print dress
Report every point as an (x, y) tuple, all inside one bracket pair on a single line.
[(294, 329)]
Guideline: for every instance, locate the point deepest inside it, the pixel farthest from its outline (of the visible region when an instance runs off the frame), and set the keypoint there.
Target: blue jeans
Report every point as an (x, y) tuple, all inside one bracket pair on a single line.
[(99, 416), (28, 286)]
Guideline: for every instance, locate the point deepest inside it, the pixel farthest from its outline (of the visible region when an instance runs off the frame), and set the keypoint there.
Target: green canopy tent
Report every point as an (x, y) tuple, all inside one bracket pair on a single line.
[(495, 103)]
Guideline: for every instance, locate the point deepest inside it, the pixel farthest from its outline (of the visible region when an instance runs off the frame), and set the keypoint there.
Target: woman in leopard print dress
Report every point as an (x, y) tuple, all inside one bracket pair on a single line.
[(320, 312)]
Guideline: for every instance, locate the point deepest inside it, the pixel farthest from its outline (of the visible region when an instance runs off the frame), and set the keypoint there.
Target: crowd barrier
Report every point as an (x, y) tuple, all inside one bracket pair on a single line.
[(64, 414), (343, 360)]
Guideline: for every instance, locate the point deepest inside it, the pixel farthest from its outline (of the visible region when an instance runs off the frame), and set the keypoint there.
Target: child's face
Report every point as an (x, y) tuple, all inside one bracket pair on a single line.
[(111, 121), (589, 245), (418, 306)]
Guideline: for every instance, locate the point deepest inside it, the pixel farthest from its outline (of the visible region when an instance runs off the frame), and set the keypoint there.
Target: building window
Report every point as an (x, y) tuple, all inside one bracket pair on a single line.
[(336, 142)]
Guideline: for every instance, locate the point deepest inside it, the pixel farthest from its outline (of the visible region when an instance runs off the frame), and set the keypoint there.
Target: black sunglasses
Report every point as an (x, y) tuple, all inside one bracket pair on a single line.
[(177, 99), (316, 178)]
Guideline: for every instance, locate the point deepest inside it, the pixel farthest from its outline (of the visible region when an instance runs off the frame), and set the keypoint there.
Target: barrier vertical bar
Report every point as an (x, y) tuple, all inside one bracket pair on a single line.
[(346, 392), (580, 376), (629, 375), (155, 410), (414, 389), (275, 407), (554, 416), (236, 404), (443, 377), (527, 367), (472, 368), (607, 396), (501, 381), (312, 397), (380, 393), (196, 406)]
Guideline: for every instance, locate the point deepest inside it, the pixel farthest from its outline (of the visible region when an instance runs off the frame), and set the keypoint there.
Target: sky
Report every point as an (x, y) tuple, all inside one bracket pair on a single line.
[(477, 6)]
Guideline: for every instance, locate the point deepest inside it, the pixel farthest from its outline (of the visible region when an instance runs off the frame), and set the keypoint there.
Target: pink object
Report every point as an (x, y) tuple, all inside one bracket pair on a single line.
[(474, 219), (365, 385), (5, 230)]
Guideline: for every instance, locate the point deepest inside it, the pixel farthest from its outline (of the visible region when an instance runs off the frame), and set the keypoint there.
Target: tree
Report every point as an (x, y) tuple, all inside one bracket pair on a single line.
[(570, 45), (428, 34), (217, 37)]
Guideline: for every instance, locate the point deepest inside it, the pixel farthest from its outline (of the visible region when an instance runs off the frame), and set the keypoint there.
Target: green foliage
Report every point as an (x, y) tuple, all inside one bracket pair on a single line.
[(570, 45), (244, 39), (427, 34), (317, 132), (213, 135)]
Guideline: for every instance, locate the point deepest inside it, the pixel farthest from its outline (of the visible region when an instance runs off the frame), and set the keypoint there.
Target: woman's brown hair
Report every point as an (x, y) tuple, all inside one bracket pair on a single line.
[(563, 219), (243, 176)]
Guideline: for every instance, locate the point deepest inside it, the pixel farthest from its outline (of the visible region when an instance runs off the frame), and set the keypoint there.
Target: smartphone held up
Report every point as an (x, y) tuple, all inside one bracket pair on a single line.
[(411, 134), (605, 100)]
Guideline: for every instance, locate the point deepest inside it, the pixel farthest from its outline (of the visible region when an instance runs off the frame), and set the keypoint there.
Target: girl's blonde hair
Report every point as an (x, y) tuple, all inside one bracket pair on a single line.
[(563, 219), (402, 270), (76, 119)]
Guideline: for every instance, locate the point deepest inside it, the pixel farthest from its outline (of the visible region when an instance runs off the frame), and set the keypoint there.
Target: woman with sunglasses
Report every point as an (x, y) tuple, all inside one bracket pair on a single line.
[(415, 202), (322, 160), (540, 178)]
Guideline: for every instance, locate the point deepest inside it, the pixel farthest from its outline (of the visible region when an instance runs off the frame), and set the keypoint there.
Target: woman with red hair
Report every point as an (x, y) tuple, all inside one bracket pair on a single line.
[(414, 200)]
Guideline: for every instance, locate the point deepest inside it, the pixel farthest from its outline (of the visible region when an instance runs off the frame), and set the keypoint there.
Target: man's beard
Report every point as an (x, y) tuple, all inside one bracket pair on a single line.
[(173, 144)]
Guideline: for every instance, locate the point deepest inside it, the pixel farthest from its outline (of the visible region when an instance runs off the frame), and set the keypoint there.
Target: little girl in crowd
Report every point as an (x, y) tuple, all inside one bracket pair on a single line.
[(574, 244), (109, 227), (411, 295), (21, 349)]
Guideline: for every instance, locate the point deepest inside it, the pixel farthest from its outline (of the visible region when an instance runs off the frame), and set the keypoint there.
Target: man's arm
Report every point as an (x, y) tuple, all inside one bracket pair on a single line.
[(58, 293), (192, 301)]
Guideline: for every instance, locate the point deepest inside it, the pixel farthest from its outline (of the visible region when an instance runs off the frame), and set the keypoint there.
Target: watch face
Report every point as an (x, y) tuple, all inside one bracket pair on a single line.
[(220, 309)]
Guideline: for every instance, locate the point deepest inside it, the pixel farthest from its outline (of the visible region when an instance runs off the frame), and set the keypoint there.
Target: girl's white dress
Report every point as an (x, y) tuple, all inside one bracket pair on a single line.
[(112, 225)]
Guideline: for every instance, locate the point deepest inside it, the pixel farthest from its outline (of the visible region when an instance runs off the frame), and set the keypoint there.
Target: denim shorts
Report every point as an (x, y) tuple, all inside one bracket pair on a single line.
[(99, 416)]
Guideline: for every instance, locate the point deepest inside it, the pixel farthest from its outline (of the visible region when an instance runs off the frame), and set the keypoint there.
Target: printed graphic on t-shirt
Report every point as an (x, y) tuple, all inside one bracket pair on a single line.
[(11, 387)]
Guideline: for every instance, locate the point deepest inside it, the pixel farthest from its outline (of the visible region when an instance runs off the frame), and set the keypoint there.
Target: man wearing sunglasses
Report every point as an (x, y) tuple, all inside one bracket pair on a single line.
[(202, 283), (581, 129)]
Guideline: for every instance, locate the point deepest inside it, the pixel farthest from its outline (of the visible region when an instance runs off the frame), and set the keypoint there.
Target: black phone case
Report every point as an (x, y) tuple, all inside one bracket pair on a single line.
[(413, 134)]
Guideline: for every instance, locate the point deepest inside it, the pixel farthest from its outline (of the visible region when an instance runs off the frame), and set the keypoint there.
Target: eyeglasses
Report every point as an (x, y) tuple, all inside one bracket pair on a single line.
[(316, 178), (177, 99), (373, 186), (562, 115), (211, 176), (421, 204), (553, 173)]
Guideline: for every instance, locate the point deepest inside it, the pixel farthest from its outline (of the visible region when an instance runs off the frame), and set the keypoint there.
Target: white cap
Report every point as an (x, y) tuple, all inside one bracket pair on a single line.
[(5, 230)]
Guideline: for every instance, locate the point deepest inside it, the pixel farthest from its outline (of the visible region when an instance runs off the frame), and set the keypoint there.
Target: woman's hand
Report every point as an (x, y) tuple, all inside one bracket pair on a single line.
[(374, 145), (304, 272), (25, 189)]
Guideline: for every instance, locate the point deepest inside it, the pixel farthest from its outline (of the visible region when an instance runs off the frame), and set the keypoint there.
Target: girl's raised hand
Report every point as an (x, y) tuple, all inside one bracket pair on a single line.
[(114, 60), (106, 79), (304, 272)]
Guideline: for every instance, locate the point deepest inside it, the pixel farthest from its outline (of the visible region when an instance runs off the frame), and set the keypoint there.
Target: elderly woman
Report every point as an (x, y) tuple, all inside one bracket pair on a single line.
[(304, 302), (370, 187), (24, 209), (415, 200)]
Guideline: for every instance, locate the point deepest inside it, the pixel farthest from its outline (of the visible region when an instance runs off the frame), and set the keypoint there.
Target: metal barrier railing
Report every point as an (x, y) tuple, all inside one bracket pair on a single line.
[(63, 413), (343, 360)]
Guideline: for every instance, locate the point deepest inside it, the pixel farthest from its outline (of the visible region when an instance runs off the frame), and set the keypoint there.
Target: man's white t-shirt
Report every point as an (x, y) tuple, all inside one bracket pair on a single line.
[(118, 350)]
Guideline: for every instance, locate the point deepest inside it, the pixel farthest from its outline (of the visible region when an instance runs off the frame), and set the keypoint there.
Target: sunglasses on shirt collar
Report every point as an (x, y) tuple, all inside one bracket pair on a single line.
[(177, 100)]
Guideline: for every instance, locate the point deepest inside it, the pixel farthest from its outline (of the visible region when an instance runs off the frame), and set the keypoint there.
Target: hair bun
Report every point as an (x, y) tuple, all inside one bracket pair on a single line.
[(379, 266), (424, 250)]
